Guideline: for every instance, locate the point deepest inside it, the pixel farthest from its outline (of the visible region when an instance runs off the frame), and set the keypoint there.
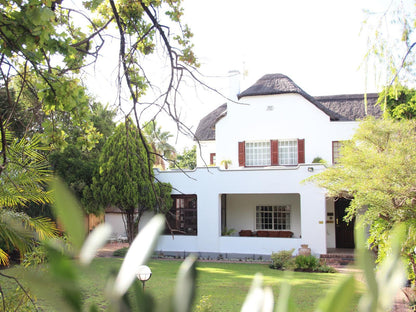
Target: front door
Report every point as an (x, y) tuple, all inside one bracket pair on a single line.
[(344, 232)]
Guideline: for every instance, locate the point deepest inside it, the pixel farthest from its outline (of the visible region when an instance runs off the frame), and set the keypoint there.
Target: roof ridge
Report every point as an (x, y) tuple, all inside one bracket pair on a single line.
[(271, 84)]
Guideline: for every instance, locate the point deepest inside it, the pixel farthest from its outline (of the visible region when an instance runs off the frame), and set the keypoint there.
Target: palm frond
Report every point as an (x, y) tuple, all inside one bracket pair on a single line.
[(26, 175), (43, 227), (12, 231), (4, 258)]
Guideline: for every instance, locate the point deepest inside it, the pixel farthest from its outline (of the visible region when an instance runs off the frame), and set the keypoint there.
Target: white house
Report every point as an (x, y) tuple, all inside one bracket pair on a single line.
[(269, 136)]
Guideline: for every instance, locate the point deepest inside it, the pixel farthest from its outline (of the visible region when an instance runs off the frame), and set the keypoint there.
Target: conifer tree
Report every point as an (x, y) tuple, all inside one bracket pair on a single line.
[(124, 180)]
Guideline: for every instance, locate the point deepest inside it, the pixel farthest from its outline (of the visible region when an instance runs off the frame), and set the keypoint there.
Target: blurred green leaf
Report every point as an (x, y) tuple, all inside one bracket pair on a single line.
[(285, 302), (255, 297), (185, 286), (97, 239), (391, 273), (138, 254), (340, 299), (383, 286), (69, 214)]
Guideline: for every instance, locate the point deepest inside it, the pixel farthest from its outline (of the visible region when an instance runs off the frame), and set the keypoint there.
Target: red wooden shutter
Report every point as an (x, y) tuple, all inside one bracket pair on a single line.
[(301, 151), (211, 159), (274, 148), (242, 154)]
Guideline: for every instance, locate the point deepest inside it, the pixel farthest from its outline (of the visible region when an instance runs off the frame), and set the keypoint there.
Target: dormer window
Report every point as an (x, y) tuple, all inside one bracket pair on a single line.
[(271, 153)]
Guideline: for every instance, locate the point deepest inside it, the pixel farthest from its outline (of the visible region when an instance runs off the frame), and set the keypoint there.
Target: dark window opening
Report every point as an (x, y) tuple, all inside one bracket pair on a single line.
[(182, 217)]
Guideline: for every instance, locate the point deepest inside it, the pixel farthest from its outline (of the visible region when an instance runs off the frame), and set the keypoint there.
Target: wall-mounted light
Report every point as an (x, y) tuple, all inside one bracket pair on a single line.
[(310, 169)]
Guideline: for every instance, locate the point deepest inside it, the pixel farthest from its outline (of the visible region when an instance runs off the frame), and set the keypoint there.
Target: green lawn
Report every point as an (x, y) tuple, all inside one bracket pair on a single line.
[(226, 283)]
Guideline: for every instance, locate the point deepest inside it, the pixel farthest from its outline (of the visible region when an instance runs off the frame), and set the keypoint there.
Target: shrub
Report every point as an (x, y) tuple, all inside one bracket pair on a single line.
[(323, 268), (120, 252), (306, 263), (36, 256), (282, 260)]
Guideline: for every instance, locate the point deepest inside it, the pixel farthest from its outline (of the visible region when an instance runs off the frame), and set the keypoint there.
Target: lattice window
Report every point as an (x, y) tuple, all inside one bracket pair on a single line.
[(288, 152), (273, 217), (257, 153)]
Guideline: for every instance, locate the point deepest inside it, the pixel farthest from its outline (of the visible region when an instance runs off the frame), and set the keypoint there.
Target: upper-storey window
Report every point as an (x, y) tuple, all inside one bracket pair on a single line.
[(336, 148), (271, 153), (288, 152), (258, 153)]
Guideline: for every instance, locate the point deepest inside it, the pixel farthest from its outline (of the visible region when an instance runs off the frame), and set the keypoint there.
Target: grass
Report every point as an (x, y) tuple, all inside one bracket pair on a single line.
[(227, 284)]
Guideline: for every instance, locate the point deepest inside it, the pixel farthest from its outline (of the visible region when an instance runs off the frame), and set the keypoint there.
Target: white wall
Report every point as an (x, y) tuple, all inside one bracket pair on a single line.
[(284, 116), (210, 183), (203, 152), (116, 222)]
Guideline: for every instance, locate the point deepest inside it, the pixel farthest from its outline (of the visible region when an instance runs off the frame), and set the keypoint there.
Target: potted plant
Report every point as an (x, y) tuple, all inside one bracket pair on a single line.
[(225, 163)]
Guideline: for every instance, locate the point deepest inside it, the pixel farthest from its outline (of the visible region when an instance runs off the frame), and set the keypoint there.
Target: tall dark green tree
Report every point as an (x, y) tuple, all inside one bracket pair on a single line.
[(124, 179)]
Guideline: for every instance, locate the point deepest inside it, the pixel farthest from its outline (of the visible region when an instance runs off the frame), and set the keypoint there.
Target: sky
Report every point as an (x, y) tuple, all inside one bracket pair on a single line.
[(319, 44), (316, 43)]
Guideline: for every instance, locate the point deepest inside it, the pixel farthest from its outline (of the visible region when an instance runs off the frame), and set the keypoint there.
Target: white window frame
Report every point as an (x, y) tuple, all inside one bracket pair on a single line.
[(336, 151), (279, 218), (257, 153), (288, 152)]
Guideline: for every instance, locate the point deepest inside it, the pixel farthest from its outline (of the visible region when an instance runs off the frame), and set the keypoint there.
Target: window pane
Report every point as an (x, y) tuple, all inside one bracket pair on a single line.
[(336, 148), (288, 152), (182, 217), (258, 153), (273, 217)]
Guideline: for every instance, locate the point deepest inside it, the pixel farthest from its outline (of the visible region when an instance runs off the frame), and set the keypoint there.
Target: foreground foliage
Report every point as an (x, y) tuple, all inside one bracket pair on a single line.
[(65, 275)]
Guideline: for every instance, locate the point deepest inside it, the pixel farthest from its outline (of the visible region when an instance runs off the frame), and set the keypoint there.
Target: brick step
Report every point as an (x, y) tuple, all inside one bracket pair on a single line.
[(337, 259)]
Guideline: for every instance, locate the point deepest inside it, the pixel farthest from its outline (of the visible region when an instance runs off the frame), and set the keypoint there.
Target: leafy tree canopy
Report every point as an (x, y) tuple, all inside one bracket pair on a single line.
[(75, 165), (377, 170), (399, 102), (186, 160)]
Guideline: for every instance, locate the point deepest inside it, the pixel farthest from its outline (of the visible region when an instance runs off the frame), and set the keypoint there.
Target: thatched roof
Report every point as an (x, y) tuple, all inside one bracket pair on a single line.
[(350, 107), (206, 127), (338, 107), (280, 84)]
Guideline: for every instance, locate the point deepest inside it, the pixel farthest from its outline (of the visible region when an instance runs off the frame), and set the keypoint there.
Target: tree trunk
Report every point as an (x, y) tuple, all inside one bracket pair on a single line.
[(131, 229)]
